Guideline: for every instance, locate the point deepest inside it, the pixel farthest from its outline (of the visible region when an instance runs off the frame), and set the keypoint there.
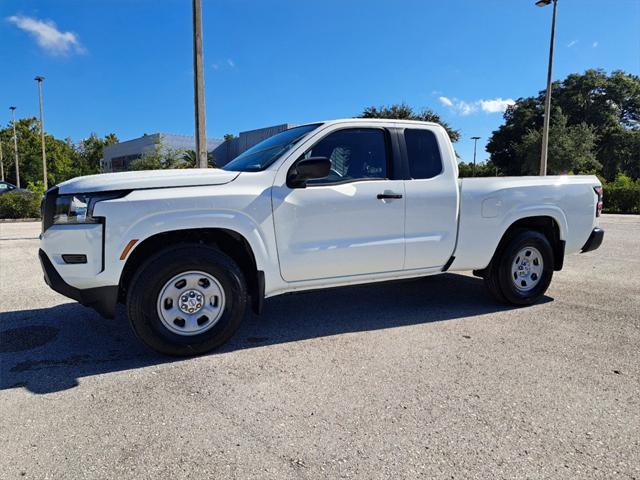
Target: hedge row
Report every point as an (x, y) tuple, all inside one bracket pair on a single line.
[(26, 204), (21, 204), (622, 199)]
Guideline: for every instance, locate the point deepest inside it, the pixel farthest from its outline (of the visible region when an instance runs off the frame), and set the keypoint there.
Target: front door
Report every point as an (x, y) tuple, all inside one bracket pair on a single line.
[(350, 223)]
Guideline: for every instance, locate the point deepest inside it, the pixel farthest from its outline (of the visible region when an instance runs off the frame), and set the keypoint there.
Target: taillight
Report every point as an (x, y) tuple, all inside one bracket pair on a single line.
[(599, 205)]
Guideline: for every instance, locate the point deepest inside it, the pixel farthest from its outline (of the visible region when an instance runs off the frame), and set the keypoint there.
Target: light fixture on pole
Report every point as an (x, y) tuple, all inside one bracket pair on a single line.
[(547, 101), (39, 79), (15, 145), (198, 87), (475, 144)]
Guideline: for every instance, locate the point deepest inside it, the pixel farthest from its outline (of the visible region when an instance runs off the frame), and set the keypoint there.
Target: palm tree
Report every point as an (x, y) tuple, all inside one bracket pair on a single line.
[(189, 159)]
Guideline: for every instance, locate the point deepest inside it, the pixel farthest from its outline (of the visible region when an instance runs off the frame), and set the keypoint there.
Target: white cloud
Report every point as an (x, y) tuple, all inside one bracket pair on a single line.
[(571, 43), (595, 44), (231, 63), (492, 105), (445, 101), (496, 105), (458, 106), (47, 35), (465, 108)]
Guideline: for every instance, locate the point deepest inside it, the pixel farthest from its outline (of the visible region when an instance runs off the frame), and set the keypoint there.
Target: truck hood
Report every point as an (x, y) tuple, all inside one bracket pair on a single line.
[(188, 177)]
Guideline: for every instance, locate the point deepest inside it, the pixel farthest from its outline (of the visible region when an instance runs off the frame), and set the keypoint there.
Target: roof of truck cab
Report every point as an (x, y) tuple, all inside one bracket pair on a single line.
[(375, 120)]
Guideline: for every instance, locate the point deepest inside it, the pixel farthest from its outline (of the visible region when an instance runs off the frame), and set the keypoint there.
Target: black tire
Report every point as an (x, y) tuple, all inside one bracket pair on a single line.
[(149, 280), (492, 283), (498, 278)]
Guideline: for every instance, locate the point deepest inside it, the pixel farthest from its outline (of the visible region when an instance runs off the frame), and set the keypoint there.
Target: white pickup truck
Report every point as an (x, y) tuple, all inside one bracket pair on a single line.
[(320, 205)]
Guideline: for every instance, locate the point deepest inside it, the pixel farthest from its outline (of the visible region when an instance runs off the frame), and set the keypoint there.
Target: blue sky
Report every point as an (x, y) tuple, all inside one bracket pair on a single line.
[(125, 66)]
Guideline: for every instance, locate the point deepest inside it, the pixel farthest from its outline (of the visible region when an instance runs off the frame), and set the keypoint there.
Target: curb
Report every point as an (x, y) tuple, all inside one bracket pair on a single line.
[(18, 220)]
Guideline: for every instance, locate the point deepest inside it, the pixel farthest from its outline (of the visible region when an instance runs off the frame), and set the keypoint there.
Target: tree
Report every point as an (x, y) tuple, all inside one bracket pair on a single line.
[(64, 158), (90, 152), (604, 108), (571, 148), (61, 154), (402, 111), (162, 157), (484, 169), (189, 160), (159, 158)]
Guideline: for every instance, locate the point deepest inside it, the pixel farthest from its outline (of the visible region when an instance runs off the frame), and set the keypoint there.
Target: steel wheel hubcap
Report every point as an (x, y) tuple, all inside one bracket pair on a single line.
[(191, 303), (527, 268)]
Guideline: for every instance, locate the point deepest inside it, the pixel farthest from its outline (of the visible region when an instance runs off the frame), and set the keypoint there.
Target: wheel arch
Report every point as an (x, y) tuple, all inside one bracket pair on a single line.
[(230, 242), (547, 225)]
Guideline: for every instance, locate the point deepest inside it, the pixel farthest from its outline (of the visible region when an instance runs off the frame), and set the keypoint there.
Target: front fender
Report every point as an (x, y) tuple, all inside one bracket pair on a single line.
[(237, 222), (244, 210)]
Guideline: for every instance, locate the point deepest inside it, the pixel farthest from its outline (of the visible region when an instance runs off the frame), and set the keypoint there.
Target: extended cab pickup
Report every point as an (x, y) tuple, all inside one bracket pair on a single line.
[(320, 205)]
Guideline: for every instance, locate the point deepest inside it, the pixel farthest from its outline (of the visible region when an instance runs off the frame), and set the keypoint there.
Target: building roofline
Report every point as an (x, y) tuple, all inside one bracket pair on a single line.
[(135, 139), (160, 134)]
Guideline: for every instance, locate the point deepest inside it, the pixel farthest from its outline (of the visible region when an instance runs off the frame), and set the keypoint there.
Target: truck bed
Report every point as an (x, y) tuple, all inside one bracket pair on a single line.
[(488, 206)]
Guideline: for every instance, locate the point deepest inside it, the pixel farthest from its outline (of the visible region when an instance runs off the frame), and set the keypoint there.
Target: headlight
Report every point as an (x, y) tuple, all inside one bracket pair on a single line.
[(73, 209)]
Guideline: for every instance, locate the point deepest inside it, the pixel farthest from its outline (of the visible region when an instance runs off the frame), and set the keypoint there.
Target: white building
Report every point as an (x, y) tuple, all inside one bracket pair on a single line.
[(118, 157)]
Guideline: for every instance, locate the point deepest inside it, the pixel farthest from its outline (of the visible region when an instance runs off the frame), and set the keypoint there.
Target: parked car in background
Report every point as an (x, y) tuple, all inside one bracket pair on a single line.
[(6, 187), (320, 205)]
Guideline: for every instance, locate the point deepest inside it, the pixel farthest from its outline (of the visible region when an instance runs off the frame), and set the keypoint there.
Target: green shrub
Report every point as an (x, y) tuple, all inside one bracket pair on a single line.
[(483, 169), (36, 187), (21, 204), (622, 198)]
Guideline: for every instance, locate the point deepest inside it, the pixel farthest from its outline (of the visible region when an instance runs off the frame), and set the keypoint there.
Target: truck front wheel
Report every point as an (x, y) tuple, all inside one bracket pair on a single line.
[(521, 272), (187, 300)]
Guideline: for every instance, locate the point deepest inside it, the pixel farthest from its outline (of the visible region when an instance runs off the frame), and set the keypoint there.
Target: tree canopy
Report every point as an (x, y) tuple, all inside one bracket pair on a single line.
[(64, 158), (402, 111), (162, 157), (595, 128)]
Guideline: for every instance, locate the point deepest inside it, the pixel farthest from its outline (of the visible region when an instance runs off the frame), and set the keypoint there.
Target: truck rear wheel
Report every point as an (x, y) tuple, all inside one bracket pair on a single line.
[(521, 272), (187, 300)]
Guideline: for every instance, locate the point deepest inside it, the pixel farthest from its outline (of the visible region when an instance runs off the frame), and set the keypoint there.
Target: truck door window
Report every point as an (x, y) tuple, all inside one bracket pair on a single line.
[(423, 153), (355, 154)]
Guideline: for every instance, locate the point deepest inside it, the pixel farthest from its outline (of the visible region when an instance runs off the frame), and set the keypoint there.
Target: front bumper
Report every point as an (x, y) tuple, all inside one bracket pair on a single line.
[(594, 241), (102, 299)]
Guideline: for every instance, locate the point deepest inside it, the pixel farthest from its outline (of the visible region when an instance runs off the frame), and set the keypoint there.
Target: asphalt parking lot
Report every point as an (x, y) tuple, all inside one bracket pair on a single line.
[(423, 378)]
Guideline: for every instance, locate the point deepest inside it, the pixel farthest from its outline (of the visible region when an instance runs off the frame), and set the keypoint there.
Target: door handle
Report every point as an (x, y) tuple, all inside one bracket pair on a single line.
[(389, 196)]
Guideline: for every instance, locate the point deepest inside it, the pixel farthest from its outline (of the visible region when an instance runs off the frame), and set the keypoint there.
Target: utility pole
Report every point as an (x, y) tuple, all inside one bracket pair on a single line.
[(547, 100), (198, 87), (15, 145), (475, 144), (39, 79), (1, 161)]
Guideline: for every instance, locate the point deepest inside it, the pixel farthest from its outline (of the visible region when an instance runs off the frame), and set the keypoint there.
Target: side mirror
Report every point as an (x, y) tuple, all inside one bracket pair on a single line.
[(307, 169)]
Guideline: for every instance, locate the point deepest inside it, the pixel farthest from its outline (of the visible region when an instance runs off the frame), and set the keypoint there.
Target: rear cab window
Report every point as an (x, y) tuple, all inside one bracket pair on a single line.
[(423, 153)]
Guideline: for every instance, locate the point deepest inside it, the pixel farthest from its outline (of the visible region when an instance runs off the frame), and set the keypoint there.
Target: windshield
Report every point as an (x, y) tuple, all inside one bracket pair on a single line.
[(263, 154)]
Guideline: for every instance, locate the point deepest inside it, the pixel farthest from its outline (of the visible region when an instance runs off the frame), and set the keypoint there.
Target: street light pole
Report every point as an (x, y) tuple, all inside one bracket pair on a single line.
[(15, 145), (475, 143), (39, 79), (547, 101), (1, 161), (198, 86)]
